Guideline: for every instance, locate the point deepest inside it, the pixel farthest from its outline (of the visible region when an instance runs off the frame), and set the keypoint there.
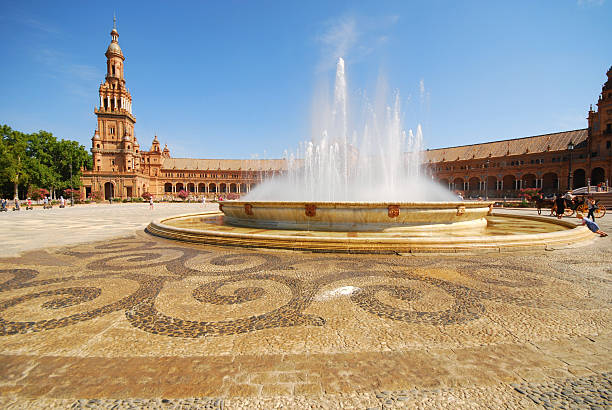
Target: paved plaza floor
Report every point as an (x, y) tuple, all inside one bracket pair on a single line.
[(110, 316)]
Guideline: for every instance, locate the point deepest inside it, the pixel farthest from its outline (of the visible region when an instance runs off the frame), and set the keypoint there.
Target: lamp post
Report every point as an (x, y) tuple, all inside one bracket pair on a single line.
[(71, 187), (487, 162), (570, 148)]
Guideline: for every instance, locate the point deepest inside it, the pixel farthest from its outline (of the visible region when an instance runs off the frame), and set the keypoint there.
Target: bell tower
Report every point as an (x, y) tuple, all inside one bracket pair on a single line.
[(114, 145)]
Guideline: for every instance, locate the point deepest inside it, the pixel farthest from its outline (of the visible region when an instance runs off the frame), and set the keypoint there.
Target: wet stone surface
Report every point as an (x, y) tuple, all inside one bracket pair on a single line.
[(170, 404)]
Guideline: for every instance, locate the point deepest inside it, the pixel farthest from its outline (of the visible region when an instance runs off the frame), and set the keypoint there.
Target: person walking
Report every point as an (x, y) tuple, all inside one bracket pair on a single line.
[(62, 202), (592, 206), (203, 200), (593, 227), (151, 202), (560, 204)]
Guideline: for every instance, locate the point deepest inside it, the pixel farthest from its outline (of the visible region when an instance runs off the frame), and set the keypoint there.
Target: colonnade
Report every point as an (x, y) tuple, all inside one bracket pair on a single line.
[(124, 103)]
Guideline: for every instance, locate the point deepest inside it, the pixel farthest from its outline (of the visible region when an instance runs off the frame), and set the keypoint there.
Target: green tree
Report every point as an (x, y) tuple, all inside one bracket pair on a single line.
[(13, 157), (40, 160), (69, 157)]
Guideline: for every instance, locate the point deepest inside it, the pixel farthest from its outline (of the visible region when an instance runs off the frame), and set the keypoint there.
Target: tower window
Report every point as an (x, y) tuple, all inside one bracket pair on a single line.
[(98, 146), (608, 144), (113, 72)]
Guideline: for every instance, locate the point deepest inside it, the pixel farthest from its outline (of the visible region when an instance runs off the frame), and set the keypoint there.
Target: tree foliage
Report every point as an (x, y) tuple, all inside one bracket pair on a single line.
[(39, 160)]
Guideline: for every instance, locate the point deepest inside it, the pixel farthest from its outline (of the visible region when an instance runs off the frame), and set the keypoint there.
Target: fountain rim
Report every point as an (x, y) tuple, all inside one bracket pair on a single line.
[(363, 204), (470, 244)]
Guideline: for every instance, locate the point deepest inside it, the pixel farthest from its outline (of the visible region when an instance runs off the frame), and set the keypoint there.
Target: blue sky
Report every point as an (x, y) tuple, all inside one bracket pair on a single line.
[(233, 79)]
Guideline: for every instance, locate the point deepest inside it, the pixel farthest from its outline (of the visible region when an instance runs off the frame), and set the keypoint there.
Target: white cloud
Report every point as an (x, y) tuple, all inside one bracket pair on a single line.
[(590, 2), (339, 37), (77, 78), (352, 38), (38, 25)]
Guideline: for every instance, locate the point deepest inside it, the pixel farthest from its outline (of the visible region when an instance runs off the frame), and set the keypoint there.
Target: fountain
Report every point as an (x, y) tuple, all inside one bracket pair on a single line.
[(362, 193)]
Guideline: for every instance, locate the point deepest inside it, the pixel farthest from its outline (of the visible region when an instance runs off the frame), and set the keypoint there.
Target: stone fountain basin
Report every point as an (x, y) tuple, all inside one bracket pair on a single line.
[(354, 216)]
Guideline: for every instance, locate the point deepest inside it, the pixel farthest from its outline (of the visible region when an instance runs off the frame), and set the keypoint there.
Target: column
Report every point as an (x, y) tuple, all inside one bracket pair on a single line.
[(115, 98)]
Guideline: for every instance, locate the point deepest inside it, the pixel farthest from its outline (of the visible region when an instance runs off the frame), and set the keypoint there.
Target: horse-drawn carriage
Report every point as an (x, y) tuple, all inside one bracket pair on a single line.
[(578, 204)]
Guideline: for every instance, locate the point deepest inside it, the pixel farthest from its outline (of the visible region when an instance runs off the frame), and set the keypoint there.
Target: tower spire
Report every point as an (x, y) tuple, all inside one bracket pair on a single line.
[(114, 21)]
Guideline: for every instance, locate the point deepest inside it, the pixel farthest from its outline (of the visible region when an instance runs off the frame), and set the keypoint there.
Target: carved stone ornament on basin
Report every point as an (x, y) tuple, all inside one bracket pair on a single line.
[(352, 216)]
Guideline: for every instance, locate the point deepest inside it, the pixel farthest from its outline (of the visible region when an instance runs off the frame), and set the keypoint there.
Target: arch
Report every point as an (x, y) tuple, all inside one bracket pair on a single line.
[(579, 178), (474, 184), (201, 187), (509, 182), (179, 186), (109, 190), (212, 187), (190, 187), (550, 182), (222, 187), (444, 182), (529, 181), (598, 176), (168, 187), (243, 188), (491, 183), (233, 188), (458, 184)]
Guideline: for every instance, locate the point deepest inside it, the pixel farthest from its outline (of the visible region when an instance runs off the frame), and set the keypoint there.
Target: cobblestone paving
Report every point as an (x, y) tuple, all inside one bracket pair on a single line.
[(141, 322), (593, 392)]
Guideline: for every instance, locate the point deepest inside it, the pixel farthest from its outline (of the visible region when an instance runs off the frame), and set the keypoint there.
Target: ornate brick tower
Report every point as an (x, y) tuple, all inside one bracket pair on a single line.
[(114, 146), (600, 136)]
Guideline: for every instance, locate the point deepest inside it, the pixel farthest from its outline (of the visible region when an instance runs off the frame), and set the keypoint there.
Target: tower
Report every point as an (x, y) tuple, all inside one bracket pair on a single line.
[(114, 145), (600, 136)]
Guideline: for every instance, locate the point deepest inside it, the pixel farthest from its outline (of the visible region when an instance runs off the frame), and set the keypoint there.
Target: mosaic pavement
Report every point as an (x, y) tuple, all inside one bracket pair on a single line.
[(143, 322)]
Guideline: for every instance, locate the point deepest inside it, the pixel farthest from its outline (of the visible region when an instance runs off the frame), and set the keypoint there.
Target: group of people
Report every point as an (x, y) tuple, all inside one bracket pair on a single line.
[(4, 204), (560, 202)]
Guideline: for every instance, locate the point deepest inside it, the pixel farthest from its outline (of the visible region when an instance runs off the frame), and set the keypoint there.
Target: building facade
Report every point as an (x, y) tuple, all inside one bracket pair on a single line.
[(552, 162), (121, 169)]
